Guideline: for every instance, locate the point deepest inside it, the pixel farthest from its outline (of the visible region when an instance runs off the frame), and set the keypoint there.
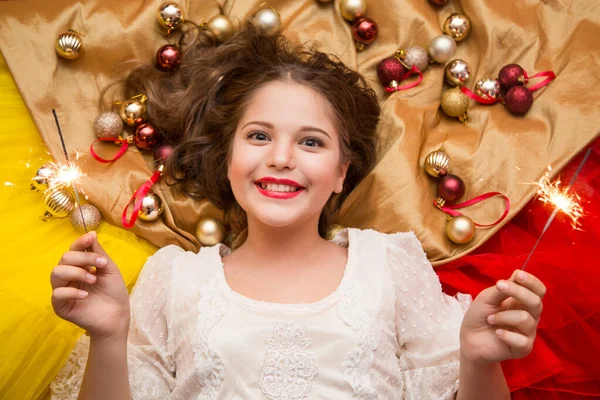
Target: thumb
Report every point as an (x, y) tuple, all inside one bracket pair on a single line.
[(492, 296)]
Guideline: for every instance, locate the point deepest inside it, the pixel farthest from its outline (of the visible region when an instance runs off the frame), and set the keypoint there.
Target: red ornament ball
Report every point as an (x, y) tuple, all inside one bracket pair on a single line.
[(518, 99), (162, 153), (451, 188), (390, 71), (364, 30), (146, 136), (168, 57), (511, 75)]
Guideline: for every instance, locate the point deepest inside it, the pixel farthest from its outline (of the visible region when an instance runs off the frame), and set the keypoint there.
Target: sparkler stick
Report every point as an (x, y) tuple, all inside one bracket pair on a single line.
[(62, 140), (557, 208)]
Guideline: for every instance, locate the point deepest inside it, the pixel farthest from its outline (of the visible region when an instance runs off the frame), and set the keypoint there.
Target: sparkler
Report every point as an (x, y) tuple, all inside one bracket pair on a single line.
[(562, 201)]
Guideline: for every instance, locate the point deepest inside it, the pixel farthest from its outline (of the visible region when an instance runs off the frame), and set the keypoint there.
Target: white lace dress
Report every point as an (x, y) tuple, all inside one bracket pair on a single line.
[(387, 332)]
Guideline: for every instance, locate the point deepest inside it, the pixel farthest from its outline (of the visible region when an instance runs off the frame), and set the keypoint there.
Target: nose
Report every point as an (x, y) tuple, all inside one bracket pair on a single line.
[(281, 155)]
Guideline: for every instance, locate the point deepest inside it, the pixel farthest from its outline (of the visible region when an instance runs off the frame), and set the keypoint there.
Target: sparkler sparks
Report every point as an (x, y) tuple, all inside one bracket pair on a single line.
[(560, 198), (66, 174)]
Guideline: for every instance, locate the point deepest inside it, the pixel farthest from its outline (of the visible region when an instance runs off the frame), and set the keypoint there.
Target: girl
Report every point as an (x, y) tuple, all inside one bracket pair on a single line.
[(278, 137)]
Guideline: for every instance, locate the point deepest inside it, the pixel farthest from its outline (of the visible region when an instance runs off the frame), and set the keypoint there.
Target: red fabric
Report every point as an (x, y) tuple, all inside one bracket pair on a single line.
[(565, 361)]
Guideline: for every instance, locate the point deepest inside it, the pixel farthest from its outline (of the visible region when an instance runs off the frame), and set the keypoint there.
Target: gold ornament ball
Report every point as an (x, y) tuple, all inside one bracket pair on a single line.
[(455, 103), (333, 230), (352, 9), (460, 229), (170, 16), (41, 179), (133, 111), (268, 21), (69, 45), (488, 88), (457, 72), (151, 207), (438, 163), (91, 216), (59, 202), (457, 26), (108, 125), (210, 231), (221, 28)]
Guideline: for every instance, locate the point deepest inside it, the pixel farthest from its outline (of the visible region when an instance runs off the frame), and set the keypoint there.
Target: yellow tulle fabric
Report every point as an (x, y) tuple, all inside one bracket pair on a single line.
[(34, 342)]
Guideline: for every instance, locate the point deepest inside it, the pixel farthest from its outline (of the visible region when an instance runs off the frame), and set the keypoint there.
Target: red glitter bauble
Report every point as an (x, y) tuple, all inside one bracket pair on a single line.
[(162, 153), (511, 75), (146, 136), (451, 188), (168, 57), (364, 30), (390, 70), (518, 99)]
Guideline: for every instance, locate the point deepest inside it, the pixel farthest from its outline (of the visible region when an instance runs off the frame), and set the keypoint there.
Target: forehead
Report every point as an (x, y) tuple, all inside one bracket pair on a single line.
[(288, 104)]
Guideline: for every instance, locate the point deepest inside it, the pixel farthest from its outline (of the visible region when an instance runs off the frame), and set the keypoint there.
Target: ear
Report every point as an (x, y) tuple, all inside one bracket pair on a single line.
[(343, 169)]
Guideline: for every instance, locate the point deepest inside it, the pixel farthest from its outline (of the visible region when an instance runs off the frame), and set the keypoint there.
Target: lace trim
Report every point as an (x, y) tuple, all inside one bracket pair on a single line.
[(209, 365), (67, 382), (287, 368), (437, 382), (358, 362)]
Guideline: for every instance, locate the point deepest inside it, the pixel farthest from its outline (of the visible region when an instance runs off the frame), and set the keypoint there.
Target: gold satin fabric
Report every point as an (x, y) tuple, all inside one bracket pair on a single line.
[(494, 151)]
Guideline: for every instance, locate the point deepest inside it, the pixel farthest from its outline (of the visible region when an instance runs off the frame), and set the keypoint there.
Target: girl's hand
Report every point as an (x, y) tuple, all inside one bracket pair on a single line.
[(501, 322), (98, 302)]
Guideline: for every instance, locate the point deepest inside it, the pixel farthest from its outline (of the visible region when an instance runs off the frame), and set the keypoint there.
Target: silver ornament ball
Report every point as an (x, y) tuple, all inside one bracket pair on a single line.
[(488, 88), (417, 56), (442, 48)]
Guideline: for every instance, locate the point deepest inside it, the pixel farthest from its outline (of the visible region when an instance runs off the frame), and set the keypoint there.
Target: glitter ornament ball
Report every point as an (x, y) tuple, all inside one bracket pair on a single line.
[(461, 229), (488, 88), (333, 230), (91, 216), (108, 125), (518, 99), (210, 231), (414, 55), (455, 103), (352, 9), (442, 48), (133, 111), (451, 188), (151, 207), (457, 26), (267, 21), (69, 45), (364, 32), (457, 72), (59, 201), (168, 57), (220, 27), (146, 137), (41, 179), (170, 17), (438, 163), (390, 72), (511, 75)]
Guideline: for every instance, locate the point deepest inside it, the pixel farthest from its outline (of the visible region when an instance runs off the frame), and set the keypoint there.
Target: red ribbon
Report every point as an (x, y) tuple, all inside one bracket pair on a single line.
[(138, 198), (450, 209), (125, 145), (550, 76), (479, 99), (412, 71)]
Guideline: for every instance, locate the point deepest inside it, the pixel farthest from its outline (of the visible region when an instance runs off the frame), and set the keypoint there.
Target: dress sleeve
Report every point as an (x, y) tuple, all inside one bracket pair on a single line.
[(427, 322), (150, 353)]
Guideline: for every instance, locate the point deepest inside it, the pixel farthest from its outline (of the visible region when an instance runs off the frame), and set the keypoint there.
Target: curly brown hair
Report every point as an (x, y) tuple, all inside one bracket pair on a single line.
[(198, 108)]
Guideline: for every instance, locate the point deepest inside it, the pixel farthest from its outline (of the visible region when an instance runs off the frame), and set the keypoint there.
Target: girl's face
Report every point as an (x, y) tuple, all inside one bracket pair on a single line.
[(286, 162)]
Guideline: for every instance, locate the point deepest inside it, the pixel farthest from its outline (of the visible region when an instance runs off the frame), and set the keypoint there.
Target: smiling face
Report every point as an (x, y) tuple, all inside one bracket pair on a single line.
[(285, 160)]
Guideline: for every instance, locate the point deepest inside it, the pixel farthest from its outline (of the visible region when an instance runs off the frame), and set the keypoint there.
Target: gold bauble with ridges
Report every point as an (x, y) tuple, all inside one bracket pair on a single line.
[(60, 202), (69, 45), (438, 163)]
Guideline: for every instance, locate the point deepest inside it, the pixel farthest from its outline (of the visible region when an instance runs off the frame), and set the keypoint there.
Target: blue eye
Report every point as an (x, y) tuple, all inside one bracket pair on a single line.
[(258, 136), (312, 142)]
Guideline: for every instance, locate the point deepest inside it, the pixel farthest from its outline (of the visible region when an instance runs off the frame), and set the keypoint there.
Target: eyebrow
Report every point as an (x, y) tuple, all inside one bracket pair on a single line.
[(303, 128)]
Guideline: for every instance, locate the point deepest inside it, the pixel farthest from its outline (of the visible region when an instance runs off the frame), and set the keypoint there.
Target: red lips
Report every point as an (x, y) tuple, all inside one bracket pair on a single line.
[(279, 195)]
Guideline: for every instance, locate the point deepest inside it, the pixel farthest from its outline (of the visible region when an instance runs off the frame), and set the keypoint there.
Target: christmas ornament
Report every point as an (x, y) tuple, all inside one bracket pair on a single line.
[(333, 230), (511, 75), (442, 48), (413, 56), (390, 72), (220, 27), (364, 32), (450, 188), (168, 57), (457, 72), (438, 2), (437, 163), (210, 231), (108, 125), (146, 137), (133, 111), (41, 179), (353, 9), (518, 99), (455, 104), (461, 229), (151, 207), (59, 202), (88, 219), (162, 153), (69, 45), (170, 17), (457, 26), (488, 88), (268, 21)]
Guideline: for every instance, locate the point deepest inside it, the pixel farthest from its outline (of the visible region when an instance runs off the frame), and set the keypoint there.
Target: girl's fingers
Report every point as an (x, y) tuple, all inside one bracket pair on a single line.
[(520, 345), (63, 274), (529, 281), (83, 242), (68, 293), (519, 319), (531, 302), (83, 259)]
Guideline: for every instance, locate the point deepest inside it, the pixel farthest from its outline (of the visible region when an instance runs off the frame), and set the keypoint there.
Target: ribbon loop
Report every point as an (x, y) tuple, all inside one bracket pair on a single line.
[(550, 76), (450, 209), (125, 145), (479, 99)]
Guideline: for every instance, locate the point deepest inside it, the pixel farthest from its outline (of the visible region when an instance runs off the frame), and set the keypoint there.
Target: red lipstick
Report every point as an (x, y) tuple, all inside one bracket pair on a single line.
[(278, 195)]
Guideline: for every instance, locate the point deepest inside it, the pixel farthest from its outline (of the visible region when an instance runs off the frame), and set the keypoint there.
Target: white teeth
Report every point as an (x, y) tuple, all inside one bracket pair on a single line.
[(278, 188)]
